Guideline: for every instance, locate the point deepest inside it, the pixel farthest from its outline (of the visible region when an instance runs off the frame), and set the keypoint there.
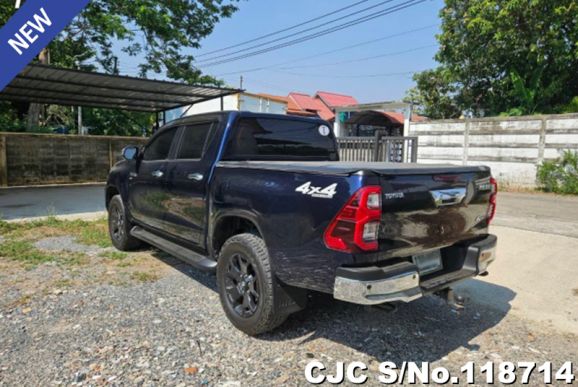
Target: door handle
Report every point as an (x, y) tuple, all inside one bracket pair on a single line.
[(195, 176), (157, 173), (448, 197)]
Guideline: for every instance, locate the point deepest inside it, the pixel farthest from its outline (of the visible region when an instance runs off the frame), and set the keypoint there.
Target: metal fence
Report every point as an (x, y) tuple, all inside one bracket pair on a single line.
[(378, 148)]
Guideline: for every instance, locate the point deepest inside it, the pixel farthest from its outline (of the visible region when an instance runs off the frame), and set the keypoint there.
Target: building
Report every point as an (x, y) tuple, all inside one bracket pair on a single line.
[(260, 103), (349, 118), (322, 104)]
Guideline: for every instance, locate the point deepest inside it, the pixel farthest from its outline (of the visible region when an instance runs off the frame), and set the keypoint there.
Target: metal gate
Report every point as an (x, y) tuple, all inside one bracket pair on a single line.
[(378, 148)]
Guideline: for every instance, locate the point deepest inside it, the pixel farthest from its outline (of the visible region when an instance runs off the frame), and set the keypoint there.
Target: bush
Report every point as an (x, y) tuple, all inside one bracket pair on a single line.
[(561, 175)]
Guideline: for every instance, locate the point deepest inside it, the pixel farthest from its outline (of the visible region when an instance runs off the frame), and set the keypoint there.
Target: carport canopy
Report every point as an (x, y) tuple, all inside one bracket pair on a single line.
[(57, 86)]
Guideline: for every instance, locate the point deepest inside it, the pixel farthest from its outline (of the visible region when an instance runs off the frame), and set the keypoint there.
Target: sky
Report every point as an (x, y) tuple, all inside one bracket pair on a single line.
[(344, 62)]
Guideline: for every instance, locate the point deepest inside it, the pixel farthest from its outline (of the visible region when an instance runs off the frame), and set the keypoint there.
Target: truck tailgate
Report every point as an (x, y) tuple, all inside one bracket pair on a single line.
[(428, 211)]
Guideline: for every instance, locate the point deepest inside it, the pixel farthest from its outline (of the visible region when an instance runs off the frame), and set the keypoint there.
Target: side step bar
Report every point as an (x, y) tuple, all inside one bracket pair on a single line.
[(189, 256)]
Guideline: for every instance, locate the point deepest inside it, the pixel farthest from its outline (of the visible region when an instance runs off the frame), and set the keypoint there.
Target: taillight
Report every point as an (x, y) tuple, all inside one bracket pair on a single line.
[(356, 226), (492, 206)]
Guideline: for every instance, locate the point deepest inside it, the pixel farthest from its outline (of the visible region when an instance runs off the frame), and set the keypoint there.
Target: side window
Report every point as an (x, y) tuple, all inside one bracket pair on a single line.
[(160, 147), (193, 140)]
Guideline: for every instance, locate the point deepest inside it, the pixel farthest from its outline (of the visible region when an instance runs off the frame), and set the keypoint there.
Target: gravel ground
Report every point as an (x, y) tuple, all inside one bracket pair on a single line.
[(173, 332), (68, 243), (146, 319)]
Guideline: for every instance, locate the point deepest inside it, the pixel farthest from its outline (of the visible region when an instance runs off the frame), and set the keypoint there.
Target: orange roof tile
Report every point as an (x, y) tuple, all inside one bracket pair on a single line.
[(333, 100)]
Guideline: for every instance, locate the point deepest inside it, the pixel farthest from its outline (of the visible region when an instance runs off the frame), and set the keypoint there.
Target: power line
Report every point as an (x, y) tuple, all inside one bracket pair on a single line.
[(324, 53), (298, 32), (360, 59), (348, 76), (284, 29), (364, 19)]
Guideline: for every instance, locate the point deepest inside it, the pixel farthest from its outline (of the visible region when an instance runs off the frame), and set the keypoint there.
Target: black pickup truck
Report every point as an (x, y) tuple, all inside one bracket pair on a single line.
[(264, 200)]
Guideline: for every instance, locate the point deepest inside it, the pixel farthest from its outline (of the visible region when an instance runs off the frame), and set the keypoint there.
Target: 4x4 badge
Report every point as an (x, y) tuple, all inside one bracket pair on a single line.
[(317, 192)]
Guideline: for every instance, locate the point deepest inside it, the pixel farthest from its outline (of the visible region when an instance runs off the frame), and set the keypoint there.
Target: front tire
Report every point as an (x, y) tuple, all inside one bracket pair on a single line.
[(247, 287), (119, 226)]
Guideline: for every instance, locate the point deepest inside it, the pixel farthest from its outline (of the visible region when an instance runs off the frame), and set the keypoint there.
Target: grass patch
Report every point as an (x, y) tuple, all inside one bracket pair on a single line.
[(142, 276), (63, 284), (114, 255), (88, 233), (23, 251)]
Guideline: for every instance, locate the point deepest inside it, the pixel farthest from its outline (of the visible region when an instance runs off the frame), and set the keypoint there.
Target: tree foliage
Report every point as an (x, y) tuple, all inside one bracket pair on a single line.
[(160, 35), (499, 55)]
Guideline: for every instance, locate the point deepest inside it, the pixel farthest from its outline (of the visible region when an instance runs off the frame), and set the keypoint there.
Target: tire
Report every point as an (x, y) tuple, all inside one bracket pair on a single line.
[(119, 226), (243, 270)]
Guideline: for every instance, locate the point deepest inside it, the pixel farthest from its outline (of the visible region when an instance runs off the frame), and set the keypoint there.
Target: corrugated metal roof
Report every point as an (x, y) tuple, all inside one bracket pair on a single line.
[(58, 86)]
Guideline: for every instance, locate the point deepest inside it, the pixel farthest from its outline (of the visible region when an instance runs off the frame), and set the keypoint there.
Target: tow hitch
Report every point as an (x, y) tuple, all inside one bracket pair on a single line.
[(455, 301)]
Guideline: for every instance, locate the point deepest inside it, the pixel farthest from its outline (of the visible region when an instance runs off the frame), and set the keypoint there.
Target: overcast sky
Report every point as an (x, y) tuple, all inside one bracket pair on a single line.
[(306, 68)]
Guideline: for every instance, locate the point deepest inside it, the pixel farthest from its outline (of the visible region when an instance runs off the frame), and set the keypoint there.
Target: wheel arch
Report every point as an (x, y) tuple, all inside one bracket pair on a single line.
[(230, 224), (110, 192)]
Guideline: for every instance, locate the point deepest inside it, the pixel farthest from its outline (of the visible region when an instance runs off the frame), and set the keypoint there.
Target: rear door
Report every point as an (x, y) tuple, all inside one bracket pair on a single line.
[(187, 181), (148, 199)]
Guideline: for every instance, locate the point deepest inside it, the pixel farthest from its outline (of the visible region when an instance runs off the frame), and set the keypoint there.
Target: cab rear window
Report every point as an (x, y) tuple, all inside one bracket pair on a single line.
[(280, 139)]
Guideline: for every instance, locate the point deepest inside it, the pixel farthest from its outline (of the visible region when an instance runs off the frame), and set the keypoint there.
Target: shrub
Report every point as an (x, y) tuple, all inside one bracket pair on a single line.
[(561, 175)]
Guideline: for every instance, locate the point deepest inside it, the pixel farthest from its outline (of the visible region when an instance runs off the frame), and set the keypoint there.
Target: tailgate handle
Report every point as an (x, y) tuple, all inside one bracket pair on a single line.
[(448, 197)]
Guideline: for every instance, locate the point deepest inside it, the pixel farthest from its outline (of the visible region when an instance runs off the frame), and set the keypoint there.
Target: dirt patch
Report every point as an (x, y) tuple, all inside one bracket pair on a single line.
[(49, 258), (66, 243)]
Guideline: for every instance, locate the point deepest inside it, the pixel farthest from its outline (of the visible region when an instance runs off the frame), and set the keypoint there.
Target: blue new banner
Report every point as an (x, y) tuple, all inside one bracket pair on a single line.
[(31, 29)]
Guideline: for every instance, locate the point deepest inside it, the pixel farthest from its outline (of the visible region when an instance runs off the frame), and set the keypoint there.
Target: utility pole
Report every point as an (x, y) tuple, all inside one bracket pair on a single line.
[(241, 83), (79, 110)]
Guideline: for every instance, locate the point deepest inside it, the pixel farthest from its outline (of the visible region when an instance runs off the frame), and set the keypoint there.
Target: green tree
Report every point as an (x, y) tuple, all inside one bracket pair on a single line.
[(434, 95), (159, 34), (490, 48)]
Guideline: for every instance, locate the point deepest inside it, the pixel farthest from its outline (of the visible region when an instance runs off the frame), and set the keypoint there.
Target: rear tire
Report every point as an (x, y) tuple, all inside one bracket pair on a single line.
[(119, 226), (247, 287)]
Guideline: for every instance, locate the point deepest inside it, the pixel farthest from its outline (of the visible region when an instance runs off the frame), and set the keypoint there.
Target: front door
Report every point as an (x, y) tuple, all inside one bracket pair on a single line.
[(187, 178), (148, 198)]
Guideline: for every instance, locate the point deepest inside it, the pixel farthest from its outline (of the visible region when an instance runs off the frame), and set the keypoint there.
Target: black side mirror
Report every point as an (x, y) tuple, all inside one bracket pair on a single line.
[(130, 152)]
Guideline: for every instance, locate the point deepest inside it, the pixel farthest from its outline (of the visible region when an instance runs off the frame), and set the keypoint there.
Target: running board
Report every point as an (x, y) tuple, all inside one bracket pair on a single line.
[(189, 256)]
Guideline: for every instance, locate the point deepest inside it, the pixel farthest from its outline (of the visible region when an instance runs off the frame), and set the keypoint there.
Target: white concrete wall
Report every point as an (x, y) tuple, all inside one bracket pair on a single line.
[(512, 146), (246, 102)]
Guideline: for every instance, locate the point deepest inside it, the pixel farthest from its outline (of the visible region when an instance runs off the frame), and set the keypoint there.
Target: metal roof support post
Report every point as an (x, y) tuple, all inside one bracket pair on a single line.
[(164, 117)]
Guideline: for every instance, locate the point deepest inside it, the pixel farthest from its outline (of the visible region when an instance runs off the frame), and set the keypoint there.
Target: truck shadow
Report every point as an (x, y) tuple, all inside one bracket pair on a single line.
[(424, 330)]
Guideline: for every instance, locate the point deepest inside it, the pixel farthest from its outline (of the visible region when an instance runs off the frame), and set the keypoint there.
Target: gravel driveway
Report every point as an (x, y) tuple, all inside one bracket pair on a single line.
[(173, 332), (99, 317)]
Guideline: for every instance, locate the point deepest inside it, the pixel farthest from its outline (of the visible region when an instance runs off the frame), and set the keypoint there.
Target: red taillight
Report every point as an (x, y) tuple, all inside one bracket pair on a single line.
[(493, 195), (356, 226)]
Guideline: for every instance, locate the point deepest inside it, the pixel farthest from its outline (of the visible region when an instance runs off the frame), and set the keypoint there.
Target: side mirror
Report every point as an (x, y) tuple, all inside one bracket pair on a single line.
[(130, 152)]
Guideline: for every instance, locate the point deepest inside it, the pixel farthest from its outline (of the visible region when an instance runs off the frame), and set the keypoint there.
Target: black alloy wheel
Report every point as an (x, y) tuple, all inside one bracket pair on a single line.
[(242, 286)]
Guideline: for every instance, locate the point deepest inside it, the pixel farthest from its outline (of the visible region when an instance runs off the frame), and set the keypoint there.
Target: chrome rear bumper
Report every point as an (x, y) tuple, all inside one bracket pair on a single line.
[(403, 286), (402, 282)]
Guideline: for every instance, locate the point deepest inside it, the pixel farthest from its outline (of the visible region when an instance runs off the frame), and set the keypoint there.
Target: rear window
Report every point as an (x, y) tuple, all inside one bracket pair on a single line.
[(280, 139)]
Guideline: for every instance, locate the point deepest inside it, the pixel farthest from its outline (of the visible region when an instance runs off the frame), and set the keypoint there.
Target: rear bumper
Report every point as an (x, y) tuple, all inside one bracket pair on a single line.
[(402, 282)]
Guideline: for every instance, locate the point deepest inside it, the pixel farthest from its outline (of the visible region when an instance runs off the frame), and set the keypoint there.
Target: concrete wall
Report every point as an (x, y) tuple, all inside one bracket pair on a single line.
[(40, 159), (513, 146)]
